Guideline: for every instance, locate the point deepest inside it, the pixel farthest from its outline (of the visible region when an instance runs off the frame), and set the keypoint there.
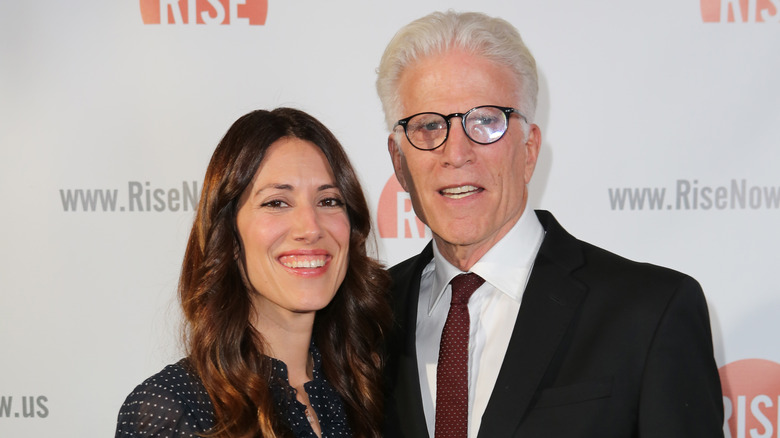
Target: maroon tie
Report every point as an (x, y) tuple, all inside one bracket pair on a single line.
[(452, 386)]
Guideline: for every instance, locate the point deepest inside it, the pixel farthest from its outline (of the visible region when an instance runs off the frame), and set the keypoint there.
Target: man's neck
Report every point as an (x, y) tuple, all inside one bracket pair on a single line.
[(464, 257)]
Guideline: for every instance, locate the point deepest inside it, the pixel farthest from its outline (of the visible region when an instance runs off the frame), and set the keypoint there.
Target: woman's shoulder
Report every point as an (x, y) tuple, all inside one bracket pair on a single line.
[(171, 403)]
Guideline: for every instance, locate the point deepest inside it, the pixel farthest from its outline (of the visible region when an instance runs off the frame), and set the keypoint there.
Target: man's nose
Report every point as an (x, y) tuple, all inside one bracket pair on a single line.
[(458, 150)]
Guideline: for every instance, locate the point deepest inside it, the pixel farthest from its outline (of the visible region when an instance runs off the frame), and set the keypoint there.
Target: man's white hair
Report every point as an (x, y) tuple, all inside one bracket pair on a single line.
[(492, 38)]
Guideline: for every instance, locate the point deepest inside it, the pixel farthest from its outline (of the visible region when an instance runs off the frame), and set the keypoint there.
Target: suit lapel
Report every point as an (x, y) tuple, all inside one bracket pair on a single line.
[(408, 399), (549, 303)]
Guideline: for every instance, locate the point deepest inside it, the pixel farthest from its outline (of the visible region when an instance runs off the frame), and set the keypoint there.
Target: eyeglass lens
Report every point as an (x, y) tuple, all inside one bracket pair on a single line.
[(482, 125)]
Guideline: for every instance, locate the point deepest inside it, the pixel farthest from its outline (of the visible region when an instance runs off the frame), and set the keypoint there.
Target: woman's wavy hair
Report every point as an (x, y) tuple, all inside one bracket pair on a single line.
[(223, 348)]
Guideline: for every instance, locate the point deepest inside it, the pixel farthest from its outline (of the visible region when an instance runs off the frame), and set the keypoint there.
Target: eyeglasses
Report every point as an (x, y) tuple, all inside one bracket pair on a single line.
[(483, 125)]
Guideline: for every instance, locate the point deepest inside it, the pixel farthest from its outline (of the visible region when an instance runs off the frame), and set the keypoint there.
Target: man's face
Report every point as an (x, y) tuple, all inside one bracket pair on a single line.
[(470, 195)]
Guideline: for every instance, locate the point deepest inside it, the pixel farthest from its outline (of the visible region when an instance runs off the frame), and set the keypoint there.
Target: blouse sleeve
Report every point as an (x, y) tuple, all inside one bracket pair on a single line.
[(172, 403)]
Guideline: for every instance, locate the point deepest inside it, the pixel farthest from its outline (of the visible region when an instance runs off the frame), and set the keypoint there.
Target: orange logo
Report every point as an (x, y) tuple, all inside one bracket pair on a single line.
[(396, 217), (751, 396), (740, 11), (252, 12)]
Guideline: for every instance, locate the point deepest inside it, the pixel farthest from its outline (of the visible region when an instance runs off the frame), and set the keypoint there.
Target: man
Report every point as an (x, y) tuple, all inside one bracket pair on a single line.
[(563, 339)]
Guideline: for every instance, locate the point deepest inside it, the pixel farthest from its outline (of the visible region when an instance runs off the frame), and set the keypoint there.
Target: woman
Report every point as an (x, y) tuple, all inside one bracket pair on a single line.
[(283, 308)]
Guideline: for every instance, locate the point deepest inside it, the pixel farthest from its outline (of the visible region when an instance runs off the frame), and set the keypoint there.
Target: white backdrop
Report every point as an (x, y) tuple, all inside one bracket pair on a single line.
[(660, 123)]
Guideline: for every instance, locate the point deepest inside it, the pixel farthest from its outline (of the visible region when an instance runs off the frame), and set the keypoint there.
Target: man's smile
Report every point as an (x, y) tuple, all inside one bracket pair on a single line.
[(460, 192)]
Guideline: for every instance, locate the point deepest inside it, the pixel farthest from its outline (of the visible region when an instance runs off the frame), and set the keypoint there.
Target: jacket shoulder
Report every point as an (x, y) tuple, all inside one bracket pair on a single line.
[(406, 269), (608, 266)]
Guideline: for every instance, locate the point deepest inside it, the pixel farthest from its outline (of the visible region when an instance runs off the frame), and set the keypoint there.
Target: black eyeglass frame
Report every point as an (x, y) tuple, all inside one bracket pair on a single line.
[(507, 111)]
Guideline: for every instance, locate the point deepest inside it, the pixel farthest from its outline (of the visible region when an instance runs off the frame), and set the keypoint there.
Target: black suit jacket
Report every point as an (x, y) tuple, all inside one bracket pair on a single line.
[(602, 347)]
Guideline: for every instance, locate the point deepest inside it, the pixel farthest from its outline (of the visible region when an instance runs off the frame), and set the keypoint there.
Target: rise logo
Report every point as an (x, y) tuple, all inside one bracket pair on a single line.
[(740, 11), (751, 396), (395, 216), (246, 12)]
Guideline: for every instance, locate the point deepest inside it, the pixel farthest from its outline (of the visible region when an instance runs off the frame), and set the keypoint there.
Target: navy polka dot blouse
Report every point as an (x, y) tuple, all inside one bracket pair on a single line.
[(174, 403)]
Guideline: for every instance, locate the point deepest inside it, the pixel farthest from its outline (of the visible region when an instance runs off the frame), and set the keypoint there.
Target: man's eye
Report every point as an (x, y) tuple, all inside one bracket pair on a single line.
[(427, 124), (486, 120)]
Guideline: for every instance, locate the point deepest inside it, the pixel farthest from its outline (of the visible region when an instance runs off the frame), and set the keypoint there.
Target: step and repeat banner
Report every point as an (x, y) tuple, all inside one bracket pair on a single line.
[(661, 142)]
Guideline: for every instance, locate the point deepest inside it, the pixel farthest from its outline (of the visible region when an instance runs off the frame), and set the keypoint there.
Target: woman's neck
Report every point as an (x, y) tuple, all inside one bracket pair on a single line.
[(288, 340)]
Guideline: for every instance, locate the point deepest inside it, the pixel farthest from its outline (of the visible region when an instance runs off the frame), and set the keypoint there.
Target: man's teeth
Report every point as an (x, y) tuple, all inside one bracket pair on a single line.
[(306, 262), (459, 192)]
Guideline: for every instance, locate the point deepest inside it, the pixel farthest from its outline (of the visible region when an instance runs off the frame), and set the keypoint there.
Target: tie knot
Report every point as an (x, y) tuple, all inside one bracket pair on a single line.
[(463, 286)]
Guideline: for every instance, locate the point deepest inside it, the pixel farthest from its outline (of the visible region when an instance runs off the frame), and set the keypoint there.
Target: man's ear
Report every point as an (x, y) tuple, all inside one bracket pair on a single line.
[(532, 145), (397, 156)]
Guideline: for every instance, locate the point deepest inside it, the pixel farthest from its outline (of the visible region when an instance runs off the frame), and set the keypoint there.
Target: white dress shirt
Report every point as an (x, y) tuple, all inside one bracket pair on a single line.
[(493, 309)]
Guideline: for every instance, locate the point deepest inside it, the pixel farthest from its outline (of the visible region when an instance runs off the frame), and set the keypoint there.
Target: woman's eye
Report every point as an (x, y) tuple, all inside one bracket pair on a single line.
[(332, 202), (276, 203)]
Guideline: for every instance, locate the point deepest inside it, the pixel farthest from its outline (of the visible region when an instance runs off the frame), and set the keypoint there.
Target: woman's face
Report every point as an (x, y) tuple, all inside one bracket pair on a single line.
[(294, 229)]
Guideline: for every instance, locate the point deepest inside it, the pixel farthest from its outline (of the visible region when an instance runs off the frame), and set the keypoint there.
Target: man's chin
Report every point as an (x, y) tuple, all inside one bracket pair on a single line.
[(454, 237)]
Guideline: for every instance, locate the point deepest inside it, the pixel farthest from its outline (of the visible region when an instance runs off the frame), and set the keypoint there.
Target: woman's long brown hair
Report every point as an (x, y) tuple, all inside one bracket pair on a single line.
[(224, 349)]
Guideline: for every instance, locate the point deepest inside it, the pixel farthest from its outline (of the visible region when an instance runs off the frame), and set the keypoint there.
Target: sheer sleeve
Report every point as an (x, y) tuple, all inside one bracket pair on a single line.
[(172, 403)]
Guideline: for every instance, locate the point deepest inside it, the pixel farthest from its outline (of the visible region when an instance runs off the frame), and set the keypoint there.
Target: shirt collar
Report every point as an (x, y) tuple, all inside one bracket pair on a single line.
[(506, 266)]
